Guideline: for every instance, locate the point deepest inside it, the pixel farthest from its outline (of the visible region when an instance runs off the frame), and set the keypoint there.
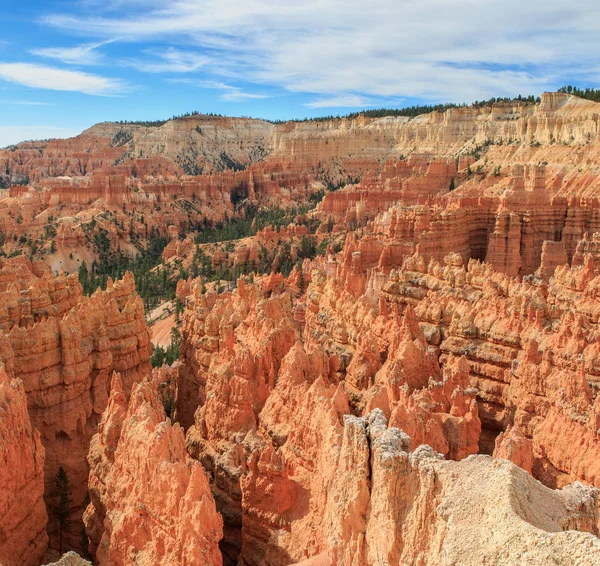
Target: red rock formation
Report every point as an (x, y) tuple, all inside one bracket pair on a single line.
[(530, 358), (141, 175), (64, 358), (389, 506), (270, 407), (285, 490), (150, 504), (405, 324), (23, 539)]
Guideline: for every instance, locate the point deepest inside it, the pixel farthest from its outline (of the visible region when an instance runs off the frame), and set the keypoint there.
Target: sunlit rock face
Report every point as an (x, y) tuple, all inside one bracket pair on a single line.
[(150, 503), (391, 505), (23, 538), (271, 404)]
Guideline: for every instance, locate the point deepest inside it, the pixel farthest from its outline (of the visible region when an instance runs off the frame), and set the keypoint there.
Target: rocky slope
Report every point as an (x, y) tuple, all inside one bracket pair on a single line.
[(529, 350), (465, 359), (271, 408)]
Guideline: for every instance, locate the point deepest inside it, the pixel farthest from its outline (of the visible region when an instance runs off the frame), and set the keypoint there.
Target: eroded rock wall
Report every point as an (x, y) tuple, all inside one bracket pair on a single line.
[(63, 347), (393, 506), (271, 392)]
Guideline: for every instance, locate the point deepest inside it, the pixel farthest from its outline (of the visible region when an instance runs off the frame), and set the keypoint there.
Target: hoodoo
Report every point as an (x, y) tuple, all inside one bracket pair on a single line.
[(356, 341)]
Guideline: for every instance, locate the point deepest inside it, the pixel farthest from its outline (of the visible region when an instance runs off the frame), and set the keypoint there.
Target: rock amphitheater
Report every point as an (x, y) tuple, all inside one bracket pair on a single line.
[(422, 390)]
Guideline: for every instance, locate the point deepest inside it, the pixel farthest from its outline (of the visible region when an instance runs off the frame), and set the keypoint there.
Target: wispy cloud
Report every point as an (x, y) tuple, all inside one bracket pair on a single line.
[(23, 102), (84, 54), (14, 134), (53, 78), (230, 93), (238, 95), (170, 60), (455, 50), (346, 101)]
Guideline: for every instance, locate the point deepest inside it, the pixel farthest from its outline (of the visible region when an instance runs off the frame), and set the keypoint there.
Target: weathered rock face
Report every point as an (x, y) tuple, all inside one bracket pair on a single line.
[(233, 348), (530, 343), (384, 361), (391, 506), (64, 358), (70, 559), (150, 504), (285, 489), (268, 425), (23, 539), (514, 222)]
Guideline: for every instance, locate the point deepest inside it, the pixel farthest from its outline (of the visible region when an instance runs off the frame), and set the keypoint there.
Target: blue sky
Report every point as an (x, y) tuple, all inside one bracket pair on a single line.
[(65, 65)]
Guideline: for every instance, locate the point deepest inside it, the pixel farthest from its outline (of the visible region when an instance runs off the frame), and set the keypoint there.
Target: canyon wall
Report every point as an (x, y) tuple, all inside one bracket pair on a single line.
[(139, 181), (63, 347), (453, 354)]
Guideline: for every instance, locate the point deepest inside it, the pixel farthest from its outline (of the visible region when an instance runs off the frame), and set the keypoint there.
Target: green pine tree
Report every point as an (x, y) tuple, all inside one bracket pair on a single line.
[(62, 506)]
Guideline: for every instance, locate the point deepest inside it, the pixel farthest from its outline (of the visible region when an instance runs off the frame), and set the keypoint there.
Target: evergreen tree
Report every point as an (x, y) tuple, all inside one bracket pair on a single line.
[(62, 507)]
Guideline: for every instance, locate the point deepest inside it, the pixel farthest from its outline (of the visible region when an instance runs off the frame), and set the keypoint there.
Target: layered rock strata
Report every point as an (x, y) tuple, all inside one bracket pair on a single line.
[(63, 346)]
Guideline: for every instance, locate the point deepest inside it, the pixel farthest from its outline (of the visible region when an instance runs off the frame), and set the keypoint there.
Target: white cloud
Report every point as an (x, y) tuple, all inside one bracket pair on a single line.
[(346, 101), (22, 102), (84, 54), (14, 134), (238, 95), (230, 93), (170, 60), (53, 78), (456, 50)]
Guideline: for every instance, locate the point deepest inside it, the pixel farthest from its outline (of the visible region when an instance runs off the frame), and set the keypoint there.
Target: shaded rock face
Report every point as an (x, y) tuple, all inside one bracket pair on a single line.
[(150, 504), (23, 539), (63, 347), (519, 223), (393, 506)]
